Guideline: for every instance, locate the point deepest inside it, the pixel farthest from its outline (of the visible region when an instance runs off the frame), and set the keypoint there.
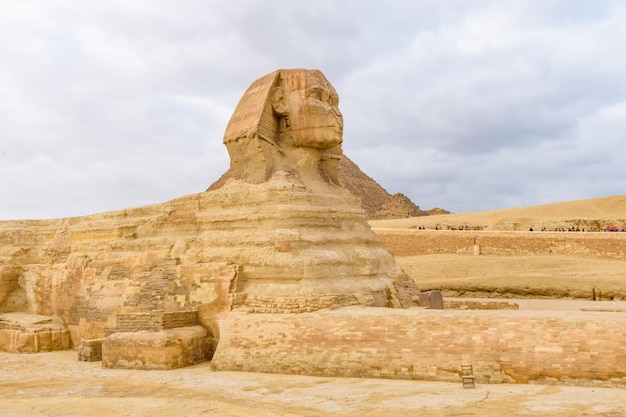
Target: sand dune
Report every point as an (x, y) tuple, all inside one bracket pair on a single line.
[(595, 212)]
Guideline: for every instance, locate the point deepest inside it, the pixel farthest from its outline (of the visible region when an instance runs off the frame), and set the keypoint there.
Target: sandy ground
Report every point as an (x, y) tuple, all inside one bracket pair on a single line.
[(56, 384), (535, 276)]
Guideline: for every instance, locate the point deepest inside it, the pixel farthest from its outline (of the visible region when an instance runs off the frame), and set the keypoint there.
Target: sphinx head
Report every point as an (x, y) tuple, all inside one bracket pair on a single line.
[(288, 120)]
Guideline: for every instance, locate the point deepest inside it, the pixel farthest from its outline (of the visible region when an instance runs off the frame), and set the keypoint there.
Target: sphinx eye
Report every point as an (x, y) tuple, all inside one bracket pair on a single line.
[(334, 100), (314, 93)]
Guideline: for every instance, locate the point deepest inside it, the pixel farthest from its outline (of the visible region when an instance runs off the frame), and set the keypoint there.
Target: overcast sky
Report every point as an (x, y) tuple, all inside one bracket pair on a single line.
[(464, 105)]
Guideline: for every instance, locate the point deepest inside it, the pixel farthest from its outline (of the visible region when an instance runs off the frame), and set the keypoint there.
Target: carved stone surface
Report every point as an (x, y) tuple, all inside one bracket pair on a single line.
[(30, 333), (286, 121), (280, 237)]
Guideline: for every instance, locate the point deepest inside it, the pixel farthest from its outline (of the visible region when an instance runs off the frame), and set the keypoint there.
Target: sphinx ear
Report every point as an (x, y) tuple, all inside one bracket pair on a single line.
[(279, 105)]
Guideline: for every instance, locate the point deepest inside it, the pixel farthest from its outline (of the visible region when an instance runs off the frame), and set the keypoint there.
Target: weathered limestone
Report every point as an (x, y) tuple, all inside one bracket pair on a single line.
[(9, 276), (411, 242), (29, 333), (287, 121), (285, 135), (90, 350), (281, 237), (431, 299), (577, 348), (157, 340), (164, 349)]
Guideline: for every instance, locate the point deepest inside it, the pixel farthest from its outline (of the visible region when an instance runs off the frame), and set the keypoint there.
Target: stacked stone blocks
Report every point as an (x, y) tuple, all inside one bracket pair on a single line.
[(503, 346), (157, 340), (403, 242), (155, 320)]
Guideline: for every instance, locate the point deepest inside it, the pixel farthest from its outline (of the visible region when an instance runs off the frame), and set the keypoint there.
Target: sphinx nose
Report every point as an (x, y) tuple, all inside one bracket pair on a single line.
[(336, 114), (339, 119)]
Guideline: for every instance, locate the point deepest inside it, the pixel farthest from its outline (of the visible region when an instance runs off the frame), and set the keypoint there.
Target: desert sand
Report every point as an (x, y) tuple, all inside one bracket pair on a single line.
[(532, 276), (56, 384)]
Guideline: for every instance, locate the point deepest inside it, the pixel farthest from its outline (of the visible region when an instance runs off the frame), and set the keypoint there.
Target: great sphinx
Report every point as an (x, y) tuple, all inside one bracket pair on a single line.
[(285, 135), (281, 236)]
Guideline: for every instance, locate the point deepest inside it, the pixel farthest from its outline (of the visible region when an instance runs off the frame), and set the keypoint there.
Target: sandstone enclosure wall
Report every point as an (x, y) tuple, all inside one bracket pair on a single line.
[(409, 242), (503, 346)]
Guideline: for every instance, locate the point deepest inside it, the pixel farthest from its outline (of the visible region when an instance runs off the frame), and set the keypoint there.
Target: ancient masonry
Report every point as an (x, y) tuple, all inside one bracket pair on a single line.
[(411, 242), (277, 270)]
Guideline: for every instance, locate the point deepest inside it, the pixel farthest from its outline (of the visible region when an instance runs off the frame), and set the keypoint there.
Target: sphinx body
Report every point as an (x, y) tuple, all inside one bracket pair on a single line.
[(280, 237)]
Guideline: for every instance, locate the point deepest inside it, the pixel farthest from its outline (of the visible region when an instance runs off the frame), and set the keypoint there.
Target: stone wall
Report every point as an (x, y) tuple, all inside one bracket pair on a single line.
[(256, 304), (503, 346), (471, 304), (423, 242), (155, 320)]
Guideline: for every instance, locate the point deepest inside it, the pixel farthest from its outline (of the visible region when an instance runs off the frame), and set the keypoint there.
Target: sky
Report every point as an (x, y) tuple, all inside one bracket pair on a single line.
[(464, 105)]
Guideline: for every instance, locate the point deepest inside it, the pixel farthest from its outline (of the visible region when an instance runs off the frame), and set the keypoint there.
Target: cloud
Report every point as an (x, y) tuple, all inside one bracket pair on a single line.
[(461, 105)]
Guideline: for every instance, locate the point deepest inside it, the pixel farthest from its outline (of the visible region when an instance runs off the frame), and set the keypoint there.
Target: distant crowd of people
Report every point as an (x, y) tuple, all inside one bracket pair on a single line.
[(543, 229), (450, 228), (569, 229), (578, 229)]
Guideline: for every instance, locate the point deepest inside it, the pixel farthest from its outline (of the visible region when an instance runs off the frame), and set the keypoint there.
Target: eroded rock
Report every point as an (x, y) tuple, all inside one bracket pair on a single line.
[(280, 237)]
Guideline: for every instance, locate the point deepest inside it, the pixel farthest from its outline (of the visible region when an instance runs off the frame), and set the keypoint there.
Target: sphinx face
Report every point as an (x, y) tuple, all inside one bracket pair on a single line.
[(287, 120), (314, 117)]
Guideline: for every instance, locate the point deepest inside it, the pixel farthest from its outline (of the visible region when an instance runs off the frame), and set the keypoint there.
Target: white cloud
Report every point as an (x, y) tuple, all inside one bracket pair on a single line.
[(461, 105)]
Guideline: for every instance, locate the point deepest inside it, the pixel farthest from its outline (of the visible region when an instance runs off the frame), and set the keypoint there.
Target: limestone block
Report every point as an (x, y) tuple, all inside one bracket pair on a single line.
[(165, 349), (29, 333), (431, 299), (90, 350), (155, 320)]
